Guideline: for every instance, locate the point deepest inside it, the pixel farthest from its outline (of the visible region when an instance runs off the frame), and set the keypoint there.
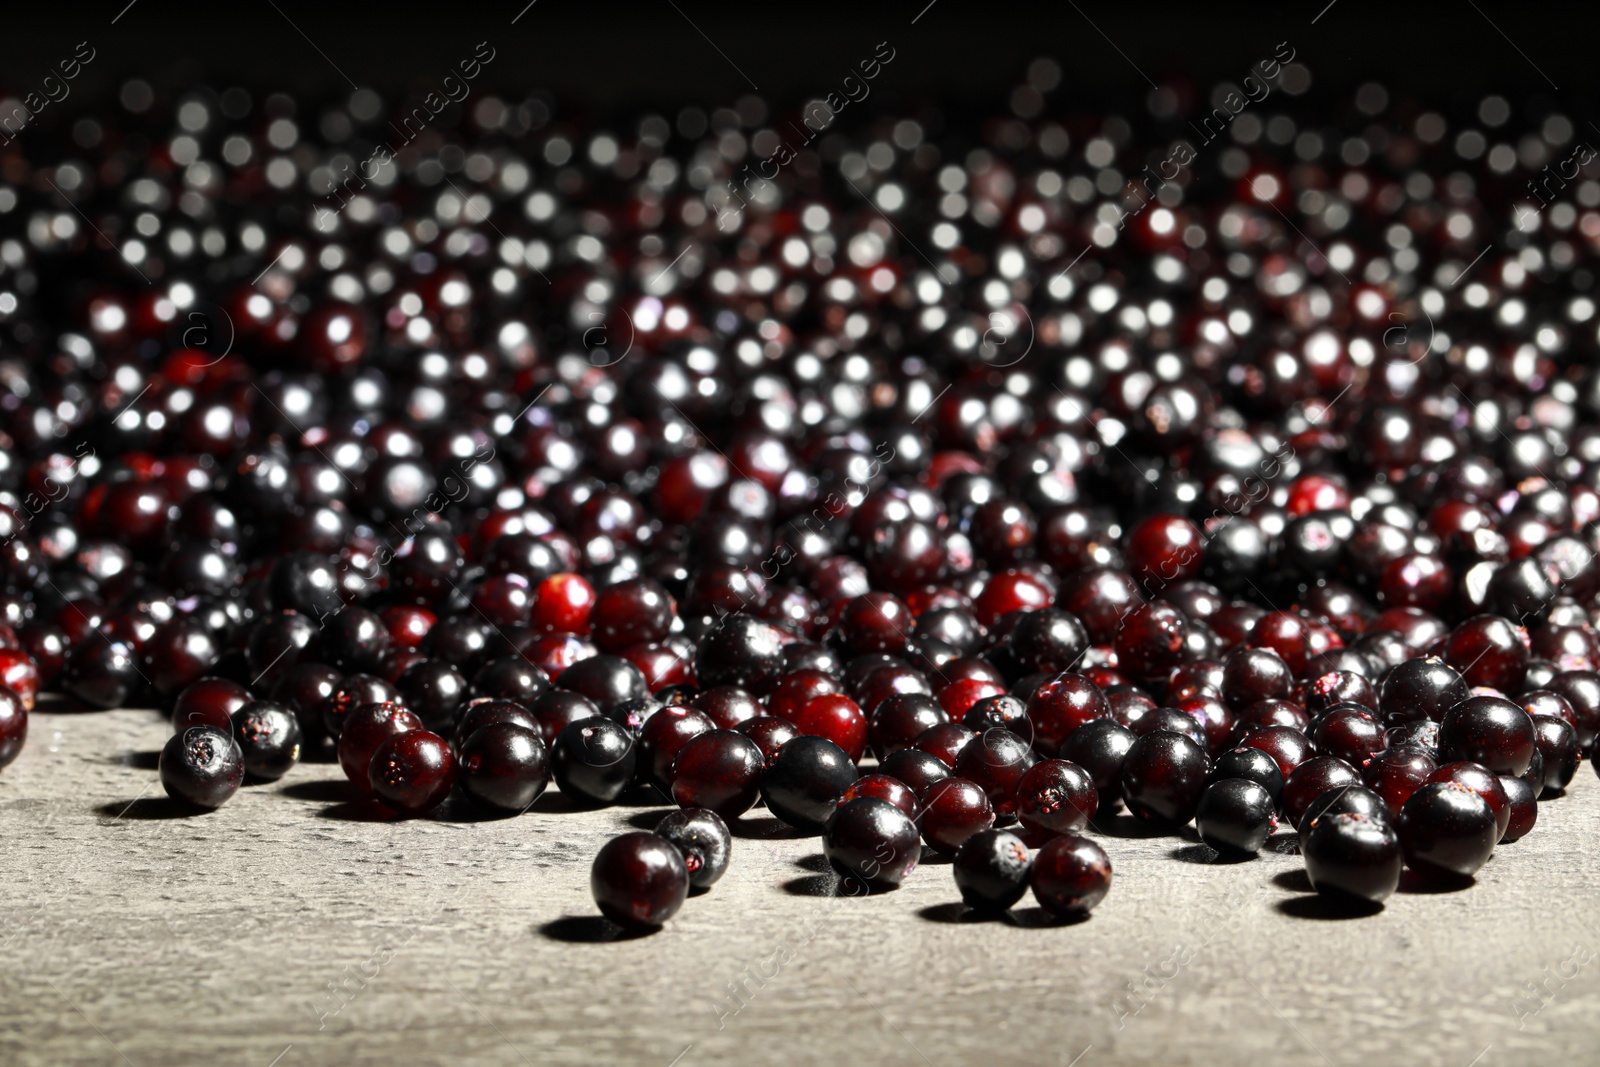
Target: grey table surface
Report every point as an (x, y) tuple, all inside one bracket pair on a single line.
[(290, 927)]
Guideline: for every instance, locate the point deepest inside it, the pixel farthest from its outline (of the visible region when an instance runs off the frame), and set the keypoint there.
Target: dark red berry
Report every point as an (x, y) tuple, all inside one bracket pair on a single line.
[(639, 879), (366, 728), (1310, 780), (953, 809), (1057, 797), (208, 702), (1070, 876), (883, 787), (719, 770), (412, 772)]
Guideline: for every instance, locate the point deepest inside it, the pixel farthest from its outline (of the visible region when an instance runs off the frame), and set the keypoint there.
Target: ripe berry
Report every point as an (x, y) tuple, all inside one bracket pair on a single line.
[(1235, 816), (208, 702), (1447, 831), (201, 766), (836, 717), (1310, 780), (884, 788), (592, 761), (1163, 777), (803, 785), (504, 765), (367, 727), (412, 772), (873, 841), (703, 839), (1490, 731), (1056, 797), (268, 736), (991, 870), (1352, 857), (719, 770), (953, 809), (13, 726), (1070, 876), (1250, 764), (639, 879)]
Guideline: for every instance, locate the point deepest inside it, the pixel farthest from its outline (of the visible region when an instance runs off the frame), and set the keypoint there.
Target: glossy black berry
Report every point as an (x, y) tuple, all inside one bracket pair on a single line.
[(1048, 641), (593, 761), (269, 738), (504, 765), (1235, 816), (306, 582), (1420, 689), (1488, 730), (803, 785), (1163, 777), (1352, 857), (1447, 831), (916, 768), (1100, 747), (991, 870), (202, 767), (872, 841), (1250, 764), (741, 651), (1523, 804), (1345, 800), (436, 692), (704, 840), (355, 639), (103, 673), (1558, 751), (606, 680), (510, 678)]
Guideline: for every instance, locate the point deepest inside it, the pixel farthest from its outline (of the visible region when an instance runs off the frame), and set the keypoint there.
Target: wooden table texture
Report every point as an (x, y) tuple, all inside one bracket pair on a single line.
[(290, 927)]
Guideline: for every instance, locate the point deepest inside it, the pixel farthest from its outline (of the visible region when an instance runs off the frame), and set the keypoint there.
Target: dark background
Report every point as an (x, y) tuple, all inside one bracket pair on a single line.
[(600, 58)]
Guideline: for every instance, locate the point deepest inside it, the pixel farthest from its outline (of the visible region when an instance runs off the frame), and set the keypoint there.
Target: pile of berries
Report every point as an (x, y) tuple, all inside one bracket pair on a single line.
[(944, 490)]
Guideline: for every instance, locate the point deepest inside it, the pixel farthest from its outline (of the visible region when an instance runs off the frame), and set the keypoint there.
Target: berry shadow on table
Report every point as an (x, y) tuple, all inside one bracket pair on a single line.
[(591, 930), (1208, 856), (1296, 881), (648, 820), (321, 791), (1328, 908), (146, 808), (1031, 918), (1412, 882)]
